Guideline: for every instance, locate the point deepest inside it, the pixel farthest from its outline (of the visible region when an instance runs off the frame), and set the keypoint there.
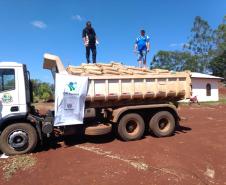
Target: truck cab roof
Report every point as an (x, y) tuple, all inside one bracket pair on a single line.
[(10, 64)]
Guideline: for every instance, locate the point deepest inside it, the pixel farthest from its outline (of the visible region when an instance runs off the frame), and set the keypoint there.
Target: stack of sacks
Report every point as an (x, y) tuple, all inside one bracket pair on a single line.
[(113, 68)]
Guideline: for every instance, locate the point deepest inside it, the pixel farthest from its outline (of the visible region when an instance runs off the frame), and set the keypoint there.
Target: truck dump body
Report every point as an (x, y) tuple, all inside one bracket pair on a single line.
[(118, 84), (113, 84)]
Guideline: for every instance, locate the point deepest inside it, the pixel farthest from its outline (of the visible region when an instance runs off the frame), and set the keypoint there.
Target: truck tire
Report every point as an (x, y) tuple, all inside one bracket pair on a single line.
[(162, 124), (18, 138), (98, 129), (131, 127)]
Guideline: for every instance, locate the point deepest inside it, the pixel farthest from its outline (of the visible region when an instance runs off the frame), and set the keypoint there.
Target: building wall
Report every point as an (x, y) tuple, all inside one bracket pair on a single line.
[(199, 89)]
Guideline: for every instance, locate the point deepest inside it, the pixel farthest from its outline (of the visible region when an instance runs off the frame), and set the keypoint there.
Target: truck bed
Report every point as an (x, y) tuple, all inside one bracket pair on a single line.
[(114, 84)]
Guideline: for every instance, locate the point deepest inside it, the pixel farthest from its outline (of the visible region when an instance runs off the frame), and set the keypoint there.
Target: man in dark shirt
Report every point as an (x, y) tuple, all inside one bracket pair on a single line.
[(90, 40)]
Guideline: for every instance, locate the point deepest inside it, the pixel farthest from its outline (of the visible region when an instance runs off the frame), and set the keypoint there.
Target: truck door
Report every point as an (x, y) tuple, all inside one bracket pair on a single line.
[(8, 92)]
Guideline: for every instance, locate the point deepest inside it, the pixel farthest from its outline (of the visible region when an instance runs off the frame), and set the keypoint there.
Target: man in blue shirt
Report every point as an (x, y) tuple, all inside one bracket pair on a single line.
[(141, 47)]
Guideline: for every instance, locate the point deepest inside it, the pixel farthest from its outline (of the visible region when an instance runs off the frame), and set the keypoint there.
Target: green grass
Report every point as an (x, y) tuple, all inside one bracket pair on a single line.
[(16, 163), (222, 100)]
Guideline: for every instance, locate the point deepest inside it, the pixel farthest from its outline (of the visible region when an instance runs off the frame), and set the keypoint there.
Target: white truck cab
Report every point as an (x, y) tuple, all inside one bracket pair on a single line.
[(15, 100), (14, 90)]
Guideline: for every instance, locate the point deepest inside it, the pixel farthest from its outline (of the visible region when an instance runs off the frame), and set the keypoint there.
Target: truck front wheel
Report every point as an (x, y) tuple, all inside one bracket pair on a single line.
[(131, 127), (162, 124), (18, 138)]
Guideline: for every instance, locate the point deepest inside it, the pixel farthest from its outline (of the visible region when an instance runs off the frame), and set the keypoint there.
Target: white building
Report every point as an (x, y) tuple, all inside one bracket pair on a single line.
[(205, 87)]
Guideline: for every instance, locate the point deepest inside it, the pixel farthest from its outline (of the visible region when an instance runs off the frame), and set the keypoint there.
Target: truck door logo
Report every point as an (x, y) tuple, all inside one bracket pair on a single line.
[(7, 98)]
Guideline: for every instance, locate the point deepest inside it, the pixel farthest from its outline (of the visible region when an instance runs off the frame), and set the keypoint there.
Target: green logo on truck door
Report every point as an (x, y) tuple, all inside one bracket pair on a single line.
[(7, 98)]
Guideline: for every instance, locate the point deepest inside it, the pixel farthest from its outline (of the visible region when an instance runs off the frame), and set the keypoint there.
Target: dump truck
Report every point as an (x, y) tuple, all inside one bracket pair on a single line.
[(92, 98)]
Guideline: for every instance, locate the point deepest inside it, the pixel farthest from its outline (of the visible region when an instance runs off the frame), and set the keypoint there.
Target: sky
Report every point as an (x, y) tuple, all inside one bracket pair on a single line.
[(30, 28)]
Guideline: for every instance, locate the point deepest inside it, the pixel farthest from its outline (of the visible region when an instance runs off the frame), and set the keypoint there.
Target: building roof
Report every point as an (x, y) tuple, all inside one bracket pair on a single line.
[(201, 75)]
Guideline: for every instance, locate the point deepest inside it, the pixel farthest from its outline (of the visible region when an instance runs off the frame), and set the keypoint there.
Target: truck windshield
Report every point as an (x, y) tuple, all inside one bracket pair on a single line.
[(7, 79)]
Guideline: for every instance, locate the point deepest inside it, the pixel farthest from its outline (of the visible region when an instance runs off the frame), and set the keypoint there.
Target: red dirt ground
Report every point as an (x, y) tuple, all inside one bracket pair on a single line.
[(196, 154)]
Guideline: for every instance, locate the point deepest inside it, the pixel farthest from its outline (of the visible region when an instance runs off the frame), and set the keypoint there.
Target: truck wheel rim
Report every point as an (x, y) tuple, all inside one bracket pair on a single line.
[(163, 124), (132, 127), (18, 140)]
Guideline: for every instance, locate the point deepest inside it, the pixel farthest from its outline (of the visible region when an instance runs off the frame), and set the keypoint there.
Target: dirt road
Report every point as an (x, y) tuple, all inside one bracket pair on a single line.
[(196, 154)]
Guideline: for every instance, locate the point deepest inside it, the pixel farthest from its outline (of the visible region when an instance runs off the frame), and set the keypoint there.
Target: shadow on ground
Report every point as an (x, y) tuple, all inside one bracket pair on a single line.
[(68, 141), (182, 129)]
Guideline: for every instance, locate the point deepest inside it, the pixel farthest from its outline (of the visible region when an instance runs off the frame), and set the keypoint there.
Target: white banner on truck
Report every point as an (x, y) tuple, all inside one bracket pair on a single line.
[(70, 95)]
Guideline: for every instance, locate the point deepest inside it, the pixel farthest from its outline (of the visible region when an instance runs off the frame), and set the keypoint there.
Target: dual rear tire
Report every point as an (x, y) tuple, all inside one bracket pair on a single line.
[(162, 124), (132, 126)]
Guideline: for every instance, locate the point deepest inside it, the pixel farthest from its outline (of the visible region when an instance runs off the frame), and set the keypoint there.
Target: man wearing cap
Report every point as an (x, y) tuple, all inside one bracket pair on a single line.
[(141, 47), (90, 40)]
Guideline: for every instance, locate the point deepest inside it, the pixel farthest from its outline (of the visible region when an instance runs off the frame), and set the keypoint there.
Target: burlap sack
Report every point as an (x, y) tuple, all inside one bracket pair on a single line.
[(111, 72)]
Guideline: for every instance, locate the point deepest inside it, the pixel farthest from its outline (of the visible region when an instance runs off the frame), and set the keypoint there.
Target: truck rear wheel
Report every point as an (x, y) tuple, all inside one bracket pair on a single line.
[(18, 138), (131, 127), (162, 124)]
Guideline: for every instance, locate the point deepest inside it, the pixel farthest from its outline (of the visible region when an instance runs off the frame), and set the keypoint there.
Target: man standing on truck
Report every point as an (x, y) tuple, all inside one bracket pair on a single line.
[(90, 41), (141, 47)]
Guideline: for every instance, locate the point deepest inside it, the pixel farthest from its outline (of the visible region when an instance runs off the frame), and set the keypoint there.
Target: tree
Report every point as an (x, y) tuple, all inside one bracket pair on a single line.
[(218, 65), (41, 90), (44, 91), (173, 60), (191, 63), (167, 60), (220, 38), (200, 44), (204, 52)]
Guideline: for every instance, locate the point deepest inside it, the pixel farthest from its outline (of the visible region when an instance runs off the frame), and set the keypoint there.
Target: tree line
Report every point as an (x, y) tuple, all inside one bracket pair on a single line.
[(42, 91), (204, 52)]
